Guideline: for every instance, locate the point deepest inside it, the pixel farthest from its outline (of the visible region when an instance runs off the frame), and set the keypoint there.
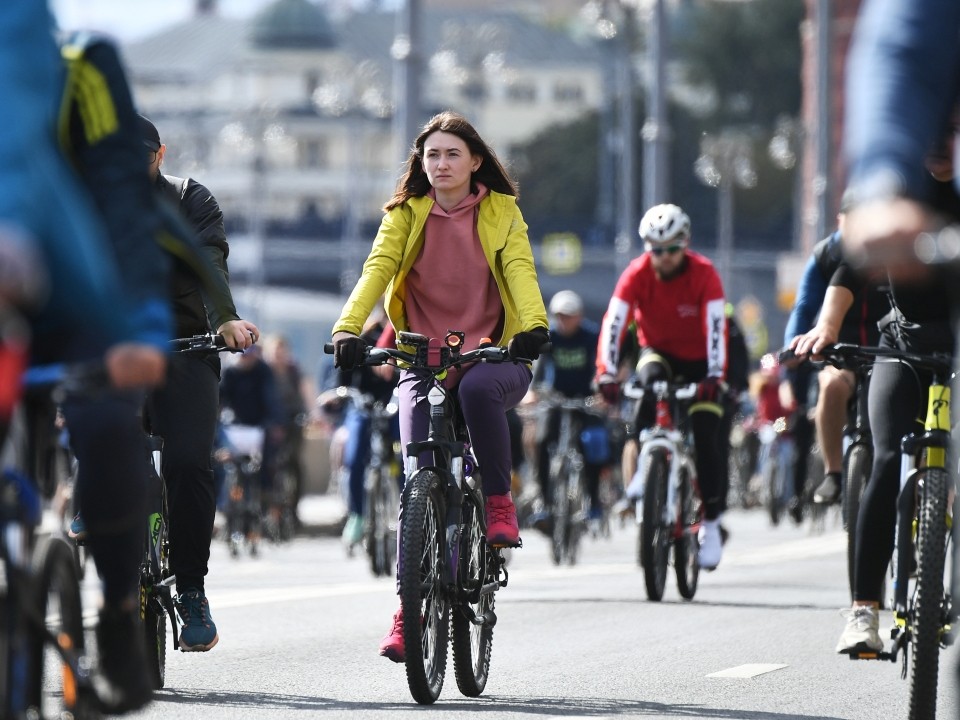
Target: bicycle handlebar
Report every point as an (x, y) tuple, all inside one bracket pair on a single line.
[(849, 356), (205, 343), (681, 391), (418, 361)]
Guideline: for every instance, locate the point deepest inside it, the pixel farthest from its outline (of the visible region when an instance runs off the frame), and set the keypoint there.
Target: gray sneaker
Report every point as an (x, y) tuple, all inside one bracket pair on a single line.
[(862, 631), (828, 491)]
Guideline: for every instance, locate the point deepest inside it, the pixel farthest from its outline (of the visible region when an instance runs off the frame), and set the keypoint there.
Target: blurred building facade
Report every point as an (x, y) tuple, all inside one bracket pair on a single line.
[(287, 115)]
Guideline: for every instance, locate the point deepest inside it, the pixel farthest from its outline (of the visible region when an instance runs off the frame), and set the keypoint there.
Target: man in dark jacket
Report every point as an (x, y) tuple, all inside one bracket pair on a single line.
[(185, 409)]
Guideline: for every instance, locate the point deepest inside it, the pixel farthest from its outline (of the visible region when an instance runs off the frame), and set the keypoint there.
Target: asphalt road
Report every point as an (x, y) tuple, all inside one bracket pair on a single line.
[(299, 628)]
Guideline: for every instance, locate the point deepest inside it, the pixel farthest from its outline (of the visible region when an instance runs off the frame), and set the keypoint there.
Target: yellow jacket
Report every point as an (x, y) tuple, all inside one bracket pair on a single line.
[(503, 235)]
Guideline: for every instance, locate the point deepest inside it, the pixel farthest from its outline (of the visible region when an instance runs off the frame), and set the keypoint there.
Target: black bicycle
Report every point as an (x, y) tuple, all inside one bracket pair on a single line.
[(568, 501), (44, 671), (382, 486), (447, 573), (156, 580)]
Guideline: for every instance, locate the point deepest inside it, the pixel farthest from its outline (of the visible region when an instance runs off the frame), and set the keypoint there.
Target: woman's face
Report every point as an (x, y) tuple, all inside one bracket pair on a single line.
[(448, 163)]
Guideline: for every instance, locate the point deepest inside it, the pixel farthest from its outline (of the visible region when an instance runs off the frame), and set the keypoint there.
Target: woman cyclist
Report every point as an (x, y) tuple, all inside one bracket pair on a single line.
[(452, 252)]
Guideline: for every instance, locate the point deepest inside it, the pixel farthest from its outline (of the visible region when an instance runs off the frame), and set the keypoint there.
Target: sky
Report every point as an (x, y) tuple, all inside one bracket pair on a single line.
[(129, 20), (133, 19)]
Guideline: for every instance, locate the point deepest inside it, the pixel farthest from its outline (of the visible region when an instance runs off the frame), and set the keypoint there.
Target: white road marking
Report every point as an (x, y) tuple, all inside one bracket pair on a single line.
[(748, 671)]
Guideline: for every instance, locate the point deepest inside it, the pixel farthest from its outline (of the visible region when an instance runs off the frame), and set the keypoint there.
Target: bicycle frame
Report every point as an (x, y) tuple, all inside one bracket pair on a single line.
[(919, 453), (453, 461), (668, 436)]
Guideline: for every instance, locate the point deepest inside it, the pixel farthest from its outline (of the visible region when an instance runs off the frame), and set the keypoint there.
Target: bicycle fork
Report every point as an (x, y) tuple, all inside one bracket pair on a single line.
[(667, 440)]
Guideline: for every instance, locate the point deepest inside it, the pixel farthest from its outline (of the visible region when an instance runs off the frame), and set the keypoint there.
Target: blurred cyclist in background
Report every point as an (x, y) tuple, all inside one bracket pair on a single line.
[(567, 369), (676, 298)]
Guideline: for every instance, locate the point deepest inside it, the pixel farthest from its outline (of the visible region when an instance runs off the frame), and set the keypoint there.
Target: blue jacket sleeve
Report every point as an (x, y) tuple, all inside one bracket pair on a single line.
[(810, 294), (902, 81)]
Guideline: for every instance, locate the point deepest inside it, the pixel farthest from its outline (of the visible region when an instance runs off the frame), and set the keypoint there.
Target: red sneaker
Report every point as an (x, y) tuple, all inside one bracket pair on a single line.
[(391, 646), (502, 528)]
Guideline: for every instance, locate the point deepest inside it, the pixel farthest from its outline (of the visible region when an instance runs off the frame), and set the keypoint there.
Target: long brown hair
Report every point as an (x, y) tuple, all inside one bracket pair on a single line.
[(491, 173)]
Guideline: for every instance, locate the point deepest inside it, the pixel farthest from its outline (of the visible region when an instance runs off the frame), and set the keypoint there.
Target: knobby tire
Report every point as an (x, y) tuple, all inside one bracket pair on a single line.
[(423, 598), (654, 534), (472, 644), (929, 595), (576, 510), (154, 620), (559, 481)]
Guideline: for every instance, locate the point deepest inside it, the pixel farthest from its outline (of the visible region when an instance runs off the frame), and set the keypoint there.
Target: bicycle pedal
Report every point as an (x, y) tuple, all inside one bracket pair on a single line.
[(873, 655)]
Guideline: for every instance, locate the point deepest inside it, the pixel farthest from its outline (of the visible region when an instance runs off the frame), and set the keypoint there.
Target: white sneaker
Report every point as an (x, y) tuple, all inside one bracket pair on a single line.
[(862, 631), (711, 545), (634, 490)]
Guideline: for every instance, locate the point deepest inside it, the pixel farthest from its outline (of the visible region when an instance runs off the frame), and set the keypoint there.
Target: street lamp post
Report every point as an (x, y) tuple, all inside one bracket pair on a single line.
[(726, 161), (614, 24)]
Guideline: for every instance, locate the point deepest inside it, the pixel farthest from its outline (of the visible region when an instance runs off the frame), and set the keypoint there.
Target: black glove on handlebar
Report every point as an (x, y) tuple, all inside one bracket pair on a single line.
[(348, 352), (527, 344)]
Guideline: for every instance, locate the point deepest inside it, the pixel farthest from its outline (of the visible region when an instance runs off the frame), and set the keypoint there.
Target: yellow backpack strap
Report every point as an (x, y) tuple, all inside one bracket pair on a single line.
[(86, 88)]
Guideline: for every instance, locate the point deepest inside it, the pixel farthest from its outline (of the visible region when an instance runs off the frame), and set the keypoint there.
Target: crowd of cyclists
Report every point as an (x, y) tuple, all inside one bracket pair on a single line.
[(132, 257)]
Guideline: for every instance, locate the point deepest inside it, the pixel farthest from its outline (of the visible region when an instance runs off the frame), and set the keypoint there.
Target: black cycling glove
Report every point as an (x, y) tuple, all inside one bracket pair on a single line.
[(348, 352), (527, 344)]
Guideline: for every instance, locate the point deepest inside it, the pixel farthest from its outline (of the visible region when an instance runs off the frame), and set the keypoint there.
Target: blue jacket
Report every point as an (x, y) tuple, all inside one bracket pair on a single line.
[(903, 80)]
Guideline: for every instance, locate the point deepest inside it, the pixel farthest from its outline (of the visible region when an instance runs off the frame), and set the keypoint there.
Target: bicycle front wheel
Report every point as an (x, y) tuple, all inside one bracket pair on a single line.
[(380, 530), (472, 642), (686, 545), (773, 482), (654, 533), (559, 481), (930, 595), (423, 598), (52, 686)]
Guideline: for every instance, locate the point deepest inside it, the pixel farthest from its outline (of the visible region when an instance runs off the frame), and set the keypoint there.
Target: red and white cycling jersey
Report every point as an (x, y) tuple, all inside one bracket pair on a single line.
[(682, 317)]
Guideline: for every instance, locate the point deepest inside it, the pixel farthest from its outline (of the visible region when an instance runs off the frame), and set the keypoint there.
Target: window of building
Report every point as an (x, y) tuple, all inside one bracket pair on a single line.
[(567, 92), (521, 92), (313, 153)]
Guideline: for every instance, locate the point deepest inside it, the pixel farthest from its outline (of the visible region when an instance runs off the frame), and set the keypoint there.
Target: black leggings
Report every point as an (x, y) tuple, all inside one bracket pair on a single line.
[(184, 412), (895, 400), (107, 440)]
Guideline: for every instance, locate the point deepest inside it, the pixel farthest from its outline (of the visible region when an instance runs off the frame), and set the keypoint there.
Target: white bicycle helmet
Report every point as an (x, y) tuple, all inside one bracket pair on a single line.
[(566, 302), (665, 225)]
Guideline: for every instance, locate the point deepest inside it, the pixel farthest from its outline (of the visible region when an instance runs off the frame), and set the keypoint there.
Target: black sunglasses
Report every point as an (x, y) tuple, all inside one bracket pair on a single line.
[(669, 250)]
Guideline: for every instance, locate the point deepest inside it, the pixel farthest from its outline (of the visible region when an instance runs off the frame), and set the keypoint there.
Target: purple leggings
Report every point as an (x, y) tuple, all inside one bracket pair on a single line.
[(486, 391)]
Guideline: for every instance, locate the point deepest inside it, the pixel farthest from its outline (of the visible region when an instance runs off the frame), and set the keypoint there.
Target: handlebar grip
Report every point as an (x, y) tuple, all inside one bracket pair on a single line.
[(786, 355), (328, 348)]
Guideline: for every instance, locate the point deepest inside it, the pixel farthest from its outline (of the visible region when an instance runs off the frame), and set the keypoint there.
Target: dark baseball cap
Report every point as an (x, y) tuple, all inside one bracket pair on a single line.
[(148, 131)]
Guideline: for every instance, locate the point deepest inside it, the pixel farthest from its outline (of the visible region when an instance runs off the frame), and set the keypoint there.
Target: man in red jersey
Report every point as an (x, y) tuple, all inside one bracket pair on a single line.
[(675, 297)]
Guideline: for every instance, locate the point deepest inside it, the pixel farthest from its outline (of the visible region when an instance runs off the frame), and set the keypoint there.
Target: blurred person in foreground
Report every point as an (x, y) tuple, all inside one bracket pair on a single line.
[(452, 252), (903, 83), (88, 308), (675, 296)]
